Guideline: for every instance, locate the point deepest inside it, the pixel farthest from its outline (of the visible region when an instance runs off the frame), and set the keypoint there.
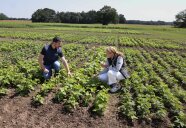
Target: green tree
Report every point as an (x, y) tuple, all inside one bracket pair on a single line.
[(122, 19), (91, 17), (3, 17), (116, 20), (107, 15), (44, 15), (181, 19)]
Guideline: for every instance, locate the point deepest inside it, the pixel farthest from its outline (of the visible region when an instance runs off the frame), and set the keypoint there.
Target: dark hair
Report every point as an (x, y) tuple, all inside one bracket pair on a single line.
[(56, 39)]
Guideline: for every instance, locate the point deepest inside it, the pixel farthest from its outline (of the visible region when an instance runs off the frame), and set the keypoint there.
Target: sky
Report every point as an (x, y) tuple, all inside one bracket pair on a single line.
[(164, 10)]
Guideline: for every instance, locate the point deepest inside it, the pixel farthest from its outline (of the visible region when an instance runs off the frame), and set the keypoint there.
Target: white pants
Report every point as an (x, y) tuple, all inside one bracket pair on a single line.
[(111, 77)]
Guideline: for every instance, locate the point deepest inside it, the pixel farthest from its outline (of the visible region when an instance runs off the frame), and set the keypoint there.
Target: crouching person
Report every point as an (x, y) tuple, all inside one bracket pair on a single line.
[(114, 69), (48, 58)]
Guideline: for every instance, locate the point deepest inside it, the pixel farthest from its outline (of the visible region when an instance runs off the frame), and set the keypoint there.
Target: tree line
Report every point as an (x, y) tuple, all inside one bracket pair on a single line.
[(148, 22), (5, 17), (105, 16)]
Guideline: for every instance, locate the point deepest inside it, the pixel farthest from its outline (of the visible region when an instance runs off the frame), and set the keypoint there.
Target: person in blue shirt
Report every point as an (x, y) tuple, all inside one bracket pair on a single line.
[(48, 58)]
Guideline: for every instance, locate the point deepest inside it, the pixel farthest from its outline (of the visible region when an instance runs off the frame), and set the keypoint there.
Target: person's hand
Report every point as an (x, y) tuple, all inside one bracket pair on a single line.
[(46, 70), (69, 74), (103, 65)]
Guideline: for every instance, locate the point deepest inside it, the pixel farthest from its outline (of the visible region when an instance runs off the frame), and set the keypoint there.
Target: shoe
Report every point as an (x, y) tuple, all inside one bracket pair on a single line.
[(115, 88)]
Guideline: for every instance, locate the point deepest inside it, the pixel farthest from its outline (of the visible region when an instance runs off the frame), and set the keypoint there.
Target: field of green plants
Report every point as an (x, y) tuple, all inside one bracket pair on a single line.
[(155, 57)]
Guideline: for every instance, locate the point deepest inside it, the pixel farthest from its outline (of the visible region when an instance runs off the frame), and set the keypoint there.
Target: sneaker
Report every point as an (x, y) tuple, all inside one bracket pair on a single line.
[(115, 88)]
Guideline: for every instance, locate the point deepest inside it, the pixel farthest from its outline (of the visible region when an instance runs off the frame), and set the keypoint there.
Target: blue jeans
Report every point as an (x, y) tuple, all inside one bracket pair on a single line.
[(55, 66)]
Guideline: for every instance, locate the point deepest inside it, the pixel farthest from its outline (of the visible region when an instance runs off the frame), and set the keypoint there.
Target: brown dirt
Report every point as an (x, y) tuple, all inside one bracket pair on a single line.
[(17, 112)]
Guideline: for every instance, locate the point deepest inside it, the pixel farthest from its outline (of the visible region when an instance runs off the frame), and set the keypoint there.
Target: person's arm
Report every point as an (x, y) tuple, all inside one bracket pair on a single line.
[(118, 64), (40, 60), (105, 65), (64, 61)]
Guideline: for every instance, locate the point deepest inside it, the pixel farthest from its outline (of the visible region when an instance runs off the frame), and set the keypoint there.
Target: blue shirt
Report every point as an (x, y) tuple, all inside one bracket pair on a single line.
[(51, 55)]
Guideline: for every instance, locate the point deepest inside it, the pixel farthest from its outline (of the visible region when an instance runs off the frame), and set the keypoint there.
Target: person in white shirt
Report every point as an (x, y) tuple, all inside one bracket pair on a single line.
[(114, 69)]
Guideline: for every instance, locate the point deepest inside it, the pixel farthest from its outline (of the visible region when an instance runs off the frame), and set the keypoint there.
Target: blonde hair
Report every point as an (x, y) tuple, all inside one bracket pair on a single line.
[(114, 50)]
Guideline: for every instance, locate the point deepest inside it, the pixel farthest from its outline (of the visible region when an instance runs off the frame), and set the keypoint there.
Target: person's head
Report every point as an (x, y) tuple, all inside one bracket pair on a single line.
[(112, 51), (56, 42)]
